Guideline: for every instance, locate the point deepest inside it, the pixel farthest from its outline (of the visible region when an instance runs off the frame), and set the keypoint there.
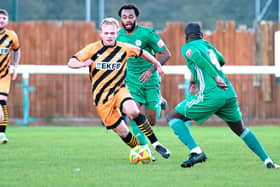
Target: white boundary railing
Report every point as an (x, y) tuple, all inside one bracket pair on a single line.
[(169, 70), (27, 70)]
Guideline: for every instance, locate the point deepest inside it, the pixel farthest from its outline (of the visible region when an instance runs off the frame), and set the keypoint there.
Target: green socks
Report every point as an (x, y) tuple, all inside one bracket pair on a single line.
[(182, 132), (138, 133), (252, 142)]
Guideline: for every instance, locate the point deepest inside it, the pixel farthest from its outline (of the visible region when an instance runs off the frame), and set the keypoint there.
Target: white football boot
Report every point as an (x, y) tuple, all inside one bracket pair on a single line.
[(3, 138)]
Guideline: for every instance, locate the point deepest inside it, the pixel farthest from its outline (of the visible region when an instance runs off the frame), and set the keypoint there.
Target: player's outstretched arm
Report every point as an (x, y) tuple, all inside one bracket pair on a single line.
[(147, 56), (162, 57), (75, 63)]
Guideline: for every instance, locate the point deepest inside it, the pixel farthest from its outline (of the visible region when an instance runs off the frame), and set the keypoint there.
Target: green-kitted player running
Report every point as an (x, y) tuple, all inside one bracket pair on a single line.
[(142, 78), (214, 95)]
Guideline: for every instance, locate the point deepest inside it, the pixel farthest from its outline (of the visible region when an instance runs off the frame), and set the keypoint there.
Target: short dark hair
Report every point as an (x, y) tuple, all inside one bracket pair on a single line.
[(129, 6), (193, 32), (3, 11), (192, 28)]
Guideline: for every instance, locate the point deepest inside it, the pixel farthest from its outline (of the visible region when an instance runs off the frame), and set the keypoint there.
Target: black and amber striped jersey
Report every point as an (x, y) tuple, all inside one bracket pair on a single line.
[(108, 71), (8, 42)]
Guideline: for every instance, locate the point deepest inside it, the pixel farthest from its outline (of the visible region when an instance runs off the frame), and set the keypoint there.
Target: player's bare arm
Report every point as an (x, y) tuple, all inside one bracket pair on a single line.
[(147, 56), (75, 63), (15, 60), (162, 57)]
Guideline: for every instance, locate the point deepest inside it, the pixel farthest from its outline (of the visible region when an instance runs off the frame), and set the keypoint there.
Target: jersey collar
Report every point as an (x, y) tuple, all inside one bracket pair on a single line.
[(109, 46), (3, 31)]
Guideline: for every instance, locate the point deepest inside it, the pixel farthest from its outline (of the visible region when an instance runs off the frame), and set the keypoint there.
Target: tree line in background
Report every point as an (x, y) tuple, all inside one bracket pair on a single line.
[(159, 12)]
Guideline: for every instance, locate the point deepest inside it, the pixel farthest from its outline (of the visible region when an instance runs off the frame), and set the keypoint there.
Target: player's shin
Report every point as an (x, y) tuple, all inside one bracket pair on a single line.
[(252, 142), (144, 125), (130, 140), (138, 133), (4, 121), (181, 130)]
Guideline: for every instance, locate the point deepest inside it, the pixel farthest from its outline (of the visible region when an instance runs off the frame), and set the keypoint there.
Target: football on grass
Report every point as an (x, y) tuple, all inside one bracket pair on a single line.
[(140, 155)]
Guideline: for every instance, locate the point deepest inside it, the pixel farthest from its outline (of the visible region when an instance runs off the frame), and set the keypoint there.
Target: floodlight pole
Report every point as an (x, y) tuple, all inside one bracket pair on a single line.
[(278, 10), (260, 13), (88, 10), (101, 10), (14, 10)]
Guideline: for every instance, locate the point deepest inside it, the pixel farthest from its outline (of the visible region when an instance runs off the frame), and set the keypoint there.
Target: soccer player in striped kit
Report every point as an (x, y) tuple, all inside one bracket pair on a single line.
[(9, 59), (106, 60)]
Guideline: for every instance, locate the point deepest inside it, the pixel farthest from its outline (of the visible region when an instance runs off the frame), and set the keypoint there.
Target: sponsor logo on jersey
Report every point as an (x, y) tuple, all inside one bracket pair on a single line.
[(160, 44), (108, 65), (189, 52), (138, 43), (4, 50)]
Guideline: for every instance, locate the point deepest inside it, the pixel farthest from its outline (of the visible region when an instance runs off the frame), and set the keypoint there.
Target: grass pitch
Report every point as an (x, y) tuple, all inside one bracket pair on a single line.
[(93, 156)]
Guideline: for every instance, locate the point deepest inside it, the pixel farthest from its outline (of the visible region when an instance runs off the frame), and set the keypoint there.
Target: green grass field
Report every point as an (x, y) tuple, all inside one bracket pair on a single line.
[(93, 156)]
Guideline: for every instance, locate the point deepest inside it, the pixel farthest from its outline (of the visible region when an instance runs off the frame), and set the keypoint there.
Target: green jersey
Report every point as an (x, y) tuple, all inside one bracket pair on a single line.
[(144, 38), (205, 61)]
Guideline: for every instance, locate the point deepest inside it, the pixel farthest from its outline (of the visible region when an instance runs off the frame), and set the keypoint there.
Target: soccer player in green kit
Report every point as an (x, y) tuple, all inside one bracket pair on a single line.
[(215, 95), (142, 78)]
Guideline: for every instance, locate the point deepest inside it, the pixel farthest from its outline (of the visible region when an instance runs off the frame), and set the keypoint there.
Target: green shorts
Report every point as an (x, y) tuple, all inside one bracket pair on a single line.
[(147, 93), (200, 108)]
